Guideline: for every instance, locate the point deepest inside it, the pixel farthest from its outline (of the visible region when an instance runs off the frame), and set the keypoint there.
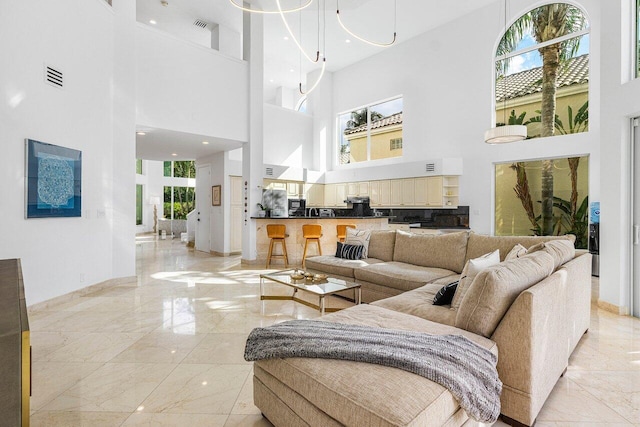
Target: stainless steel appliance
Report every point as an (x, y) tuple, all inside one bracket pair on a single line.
[(360, 206), (297, 207), (326, 213), (594, 248)]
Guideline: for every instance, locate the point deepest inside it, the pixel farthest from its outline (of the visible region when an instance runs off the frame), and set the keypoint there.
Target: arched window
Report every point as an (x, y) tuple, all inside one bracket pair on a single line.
[(542, 72), (301, 106)]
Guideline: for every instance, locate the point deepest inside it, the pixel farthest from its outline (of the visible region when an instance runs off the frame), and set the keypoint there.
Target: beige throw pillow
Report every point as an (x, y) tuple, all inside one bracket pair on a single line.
[(560, 250), (518, 251), (359, 237), (471, 269)]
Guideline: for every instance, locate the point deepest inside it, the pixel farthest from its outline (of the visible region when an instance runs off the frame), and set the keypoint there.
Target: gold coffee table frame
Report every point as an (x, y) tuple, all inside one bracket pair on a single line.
[(321, 288)]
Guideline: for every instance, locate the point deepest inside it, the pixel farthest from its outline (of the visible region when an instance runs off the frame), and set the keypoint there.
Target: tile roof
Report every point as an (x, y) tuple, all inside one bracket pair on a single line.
[(575, 71), (393, 119)]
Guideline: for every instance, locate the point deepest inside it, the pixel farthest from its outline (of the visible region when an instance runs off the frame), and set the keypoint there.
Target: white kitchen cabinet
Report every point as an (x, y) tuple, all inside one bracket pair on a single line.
[(358, 189), (293, 190), (341, 195), (434, 191), (420, 191), (380, 193), (314, 194), (330, 195), (402, 192)]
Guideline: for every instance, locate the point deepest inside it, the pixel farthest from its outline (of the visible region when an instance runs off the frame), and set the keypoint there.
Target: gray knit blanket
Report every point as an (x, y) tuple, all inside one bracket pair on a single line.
[(467, 370)]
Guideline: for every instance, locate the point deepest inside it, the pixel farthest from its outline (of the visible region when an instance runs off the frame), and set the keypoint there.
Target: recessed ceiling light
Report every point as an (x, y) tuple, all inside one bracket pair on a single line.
[(291, 69), (205, 142), (174, 154), (152, 22), (347, 41), (141, 133), (270, 80), (286, 38)]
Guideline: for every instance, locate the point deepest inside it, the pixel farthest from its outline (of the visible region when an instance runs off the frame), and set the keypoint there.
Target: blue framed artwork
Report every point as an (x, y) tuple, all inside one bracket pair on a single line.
[(53, 181)]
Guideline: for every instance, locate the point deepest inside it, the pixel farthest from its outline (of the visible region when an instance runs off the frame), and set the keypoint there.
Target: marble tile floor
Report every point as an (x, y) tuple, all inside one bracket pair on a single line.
[(167, 350)]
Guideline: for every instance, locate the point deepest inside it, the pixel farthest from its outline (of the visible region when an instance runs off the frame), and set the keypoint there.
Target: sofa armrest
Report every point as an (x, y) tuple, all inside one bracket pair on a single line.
[(578, 297), (532, 347)]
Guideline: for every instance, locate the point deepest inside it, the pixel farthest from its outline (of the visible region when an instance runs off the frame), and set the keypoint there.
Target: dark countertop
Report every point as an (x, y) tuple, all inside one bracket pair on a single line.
[(324, 217), (433, 227)]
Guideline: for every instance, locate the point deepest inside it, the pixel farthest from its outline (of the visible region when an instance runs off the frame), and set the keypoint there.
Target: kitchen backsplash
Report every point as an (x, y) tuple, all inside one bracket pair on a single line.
[(458, 217)]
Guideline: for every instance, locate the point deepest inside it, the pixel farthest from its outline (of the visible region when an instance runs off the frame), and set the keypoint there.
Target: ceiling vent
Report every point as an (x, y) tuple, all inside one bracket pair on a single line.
[(430, 167), (200, 23), (53, 76), (268, 171)]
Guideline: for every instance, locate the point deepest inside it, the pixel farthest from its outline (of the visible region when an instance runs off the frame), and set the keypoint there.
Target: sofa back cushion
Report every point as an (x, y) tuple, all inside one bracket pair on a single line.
[(441, 251), (480, 244), (496, 288), (560, 250), (381, 244)]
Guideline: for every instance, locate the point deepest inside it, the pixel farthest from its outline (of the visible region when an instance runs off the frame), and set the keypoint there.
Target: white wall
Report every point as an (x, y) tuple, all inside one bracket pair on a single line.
[(186, 87), (289, 136), (445, 77), (60, 255), (620, 95)]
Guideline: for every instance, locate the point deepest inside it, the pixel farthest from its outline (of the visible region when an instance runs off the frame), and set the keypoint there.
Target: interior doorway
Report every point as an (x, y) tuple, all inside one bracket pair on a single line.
[(203, 208), (635, 248)]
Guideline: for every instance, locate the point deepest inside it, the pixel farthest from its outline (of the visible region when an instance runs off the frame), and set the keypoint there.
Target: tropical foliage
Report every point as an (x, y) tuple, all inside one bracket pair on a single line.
[(184, 201), (568, 218)]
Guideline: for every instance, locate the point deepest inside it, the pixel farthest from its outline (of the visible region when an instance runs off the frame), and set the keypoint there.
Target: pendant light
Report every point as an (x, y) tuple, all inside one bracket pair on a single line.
[(362, 39), (293, 9), (507, 133)]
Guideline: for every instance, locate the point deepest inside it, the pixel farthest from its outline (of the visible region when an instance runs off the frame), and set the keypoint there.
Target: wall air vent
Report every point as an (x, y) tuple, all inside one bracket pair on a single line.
[(268, 171), (53, 76), (200, 23), (430, 167)]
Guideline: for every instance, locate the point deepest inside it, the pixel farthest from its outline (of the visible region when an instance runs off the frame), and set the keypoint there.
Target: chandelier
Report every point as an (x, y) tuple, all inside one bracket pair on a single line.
[(316, 58)]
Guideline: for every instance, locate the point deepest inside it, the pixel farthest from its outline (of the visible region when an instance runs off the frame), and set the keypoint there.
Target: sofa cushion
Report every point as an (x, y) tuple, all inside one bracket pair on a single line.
[(445, 251), (381, 244), (349, 251), (480, 244), (343, 389), (419, 302), (399, 275), (359, 237), (470, 271), (445, 295), (496, 288), (337, 266), (560, 250), (517, 251)]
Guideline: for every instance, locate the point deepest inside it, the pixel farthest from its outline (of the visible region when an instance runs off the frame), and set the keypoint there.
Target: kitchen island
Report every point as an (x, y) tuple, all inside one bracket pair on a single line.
[(295, 241)]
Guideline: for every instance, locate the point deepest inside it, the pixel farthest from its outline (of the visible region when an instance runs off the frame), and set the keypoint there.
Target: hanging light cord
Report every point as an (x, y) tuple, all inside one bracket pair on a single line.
[(362, 39), (294, 38), (324, 60)]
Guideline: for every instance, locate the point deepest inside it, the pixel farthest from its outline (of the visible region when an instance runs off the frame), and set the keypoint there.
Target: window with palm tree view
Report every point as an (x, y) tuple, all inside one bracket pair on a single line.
[(178, 202), (372, 132), (543, 198), (542, 72)]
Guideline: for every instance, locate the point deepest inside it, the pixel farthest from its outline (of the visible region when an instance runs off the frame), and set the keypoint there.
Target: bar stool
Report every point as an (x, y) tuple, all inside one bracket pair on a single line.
[(311, 232), (341, 231), (277, 233)]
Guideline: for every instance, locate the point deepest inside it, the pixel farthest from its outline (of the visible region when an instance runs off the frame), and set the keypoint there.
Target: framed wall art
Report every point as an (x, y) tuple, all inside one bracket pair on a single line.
[(53, 181), (216, 195)]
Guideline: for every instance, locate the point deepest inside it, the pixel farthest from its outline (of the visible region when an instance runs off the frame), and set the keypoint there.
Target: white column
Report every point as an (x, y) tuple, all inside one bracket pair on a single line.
[(123, 227), (252, 152), (227, 41)]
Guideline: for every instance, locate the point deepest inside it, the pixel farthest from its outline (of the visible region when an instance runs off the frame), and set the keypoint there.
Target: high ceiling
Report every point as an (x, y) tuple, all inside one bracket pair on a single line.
[(283, 65)]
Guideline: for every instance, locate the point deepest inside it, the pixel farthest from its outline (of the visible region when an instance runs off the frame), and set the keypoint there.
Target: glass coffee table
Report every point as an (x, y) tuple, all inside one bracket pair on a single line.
[(321, 288)]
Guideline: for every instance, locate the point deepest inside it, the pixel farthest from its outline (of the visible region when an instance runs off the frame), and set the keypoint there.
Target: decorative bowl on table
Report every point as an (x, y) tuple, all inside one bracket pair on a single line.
[(297, 275), (319, 277)]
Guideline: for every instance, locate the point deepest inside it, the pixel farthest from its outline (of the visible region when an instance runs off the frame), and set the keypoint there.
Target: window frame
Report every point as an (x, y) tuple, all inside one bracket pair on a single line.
[(369, 162), (534, 47)]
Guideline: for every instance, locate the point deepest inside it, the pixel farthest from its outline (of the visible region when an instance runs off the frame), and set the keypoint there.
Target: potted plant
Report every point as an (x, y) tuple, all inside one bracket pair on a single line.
[(264, 211)]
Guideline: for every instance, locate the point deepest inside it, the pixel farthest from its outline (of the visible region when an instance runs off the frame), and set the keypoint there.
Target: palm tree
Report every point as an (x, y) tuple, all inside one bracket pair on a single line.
[(547, 23), (359, 118)]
